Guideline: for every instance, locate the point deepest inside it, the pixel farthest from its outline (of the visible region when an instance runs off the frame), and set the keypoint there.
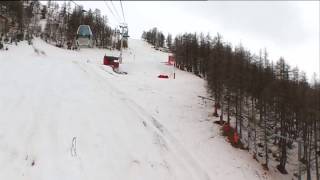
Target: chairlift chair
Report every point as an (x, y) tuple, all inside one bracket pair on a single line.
[(126, 34), (84, 37)]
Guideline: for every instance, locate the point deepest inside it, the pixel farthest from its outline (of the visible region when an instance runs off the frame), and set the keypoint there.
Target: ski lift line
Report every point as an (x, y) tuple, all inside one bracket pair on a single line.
[(109, 8), (78, 5), (111, 11), (122, 11), (115, 9), (75, 3)]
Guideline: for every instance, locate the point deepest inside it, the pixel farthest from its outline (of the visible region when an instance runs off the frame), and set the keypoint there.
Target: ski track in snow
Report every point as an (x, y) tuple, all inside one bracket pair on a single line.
[(63, 116), (158, 129)]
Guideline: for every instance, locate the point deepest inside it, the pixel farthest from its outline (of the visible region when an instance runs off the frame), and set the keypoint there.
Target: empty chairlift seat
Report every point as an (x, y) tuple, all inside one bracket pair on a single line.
[(84, 36)]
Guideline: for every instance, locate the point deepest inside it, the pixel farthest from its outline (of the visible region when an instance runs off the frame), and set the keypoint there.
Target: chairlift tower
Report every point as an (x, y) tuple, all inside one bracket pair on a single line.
[(124, 35)]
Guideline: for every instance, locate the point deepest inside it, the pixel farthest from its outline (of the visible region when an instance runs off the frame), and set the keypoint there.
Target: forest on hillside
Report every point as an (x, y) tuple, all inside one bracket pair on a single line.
[(61, 22), (270, 106), (157, 38)]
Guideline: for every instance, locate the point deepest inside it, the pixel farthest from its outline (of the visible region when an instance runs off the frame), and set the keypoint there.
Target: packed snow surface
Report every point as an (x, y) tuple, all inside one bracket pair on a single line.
[(64, 115)]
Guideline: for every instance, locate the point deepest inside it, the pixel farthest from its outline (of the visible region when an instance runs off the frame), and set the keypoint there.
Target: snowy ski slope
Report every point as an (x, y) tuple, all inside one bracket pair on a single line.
[(65, 116)]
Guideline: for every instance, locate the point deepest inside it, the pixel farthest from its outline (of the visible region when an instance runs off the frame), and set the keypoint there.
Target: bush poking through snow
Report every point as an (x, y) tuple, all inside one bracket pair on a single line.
[(38, 51), (33, 163)]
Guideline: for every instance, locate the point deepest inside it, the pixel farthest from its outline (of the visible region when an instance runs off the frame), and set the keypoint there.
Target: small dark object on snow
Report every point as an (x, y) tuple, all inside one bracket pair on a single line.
[(163, 76), (206, 98), (42, 52), (119, 72), (32, 164), (144, 123), (219, 122), (75, 48)]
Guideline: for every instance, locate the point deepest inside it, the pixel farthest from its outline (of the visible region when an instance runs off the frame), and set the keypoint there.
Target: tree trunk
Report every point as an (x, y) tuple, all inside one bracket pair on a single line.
[(216, 109), (266, 140), (254, 126), (260, 110), (283, 142), (221, 115), (236, 112), (228, 107), (316, 149), (309, 156), (249, 123), (240, 117)]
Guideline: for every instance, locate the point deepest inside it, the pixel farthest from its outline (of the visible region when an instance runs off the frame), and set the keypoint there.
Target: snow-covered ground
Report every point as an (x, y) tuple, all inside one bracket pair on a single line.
[(65, 116)]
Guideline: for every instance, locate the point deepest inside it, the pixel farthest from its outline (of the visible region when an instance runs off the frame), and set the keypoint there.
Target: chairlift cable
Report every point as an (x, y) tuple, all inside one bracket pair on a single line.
[(122, 11), (115, 9), (111, 11), (83, 10), (75, 3)]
